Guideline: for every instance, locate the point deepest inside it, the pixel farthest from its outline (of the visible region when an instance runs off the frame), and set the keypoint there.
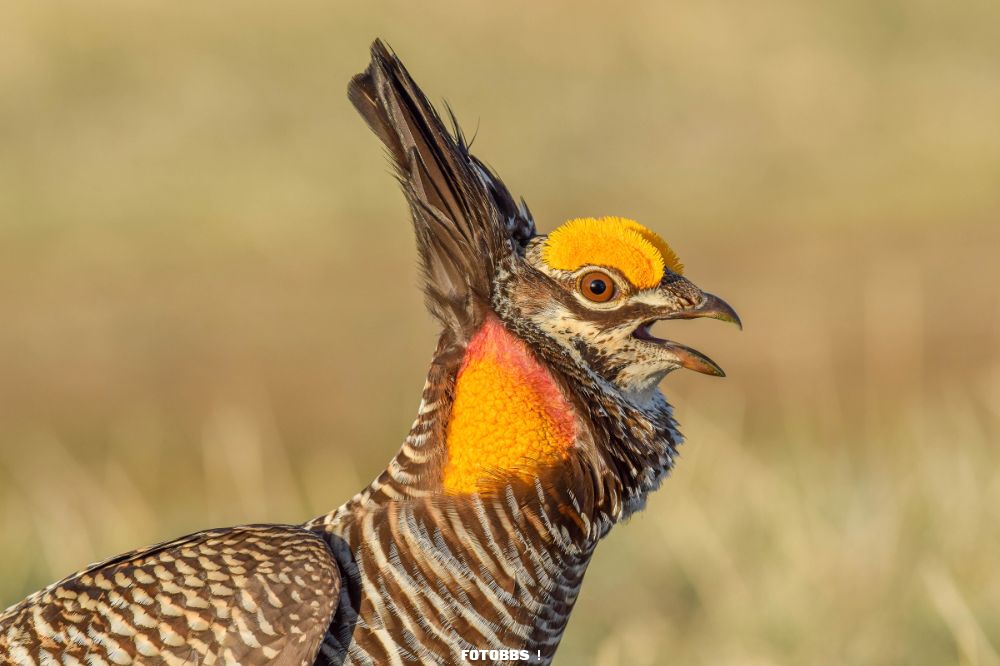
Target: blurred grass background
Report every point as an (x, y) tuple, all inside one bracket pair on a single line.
[(209, 312)]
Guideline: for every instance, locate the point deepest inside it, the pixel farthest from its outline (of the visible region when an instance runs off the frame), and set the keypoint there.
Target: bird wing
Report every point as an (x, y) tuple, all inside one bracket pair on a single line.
[(257, 594), (467, 224)]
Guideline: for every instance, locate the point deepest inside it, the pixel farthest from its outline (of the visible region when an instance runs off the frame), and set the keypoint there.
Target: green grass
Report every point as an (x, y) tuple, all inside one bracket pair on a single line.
[(209, 312)]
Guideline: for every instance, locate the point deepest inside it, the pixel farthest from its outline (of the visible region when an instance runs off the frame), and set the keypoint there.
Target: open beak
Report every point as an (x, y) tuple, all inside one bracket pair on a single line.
[(712, 307)]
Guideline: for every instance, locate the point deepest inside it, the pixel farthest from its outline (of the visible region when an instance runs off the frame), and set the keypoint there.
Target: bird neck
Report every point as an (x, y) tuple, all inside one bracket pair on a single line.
[(498, 418)]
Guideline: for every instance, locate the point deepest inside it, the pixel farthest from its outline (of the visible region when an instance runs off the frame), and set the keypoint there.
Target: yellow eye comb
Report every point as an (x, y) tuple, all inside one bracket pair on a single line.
[(640, 254)]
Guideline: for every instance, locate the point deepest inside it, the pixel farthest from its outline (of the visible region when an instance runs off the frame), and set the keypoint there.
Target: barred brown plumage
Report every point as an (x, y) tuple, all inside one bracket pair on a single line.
[(540, 427), (247, 595)]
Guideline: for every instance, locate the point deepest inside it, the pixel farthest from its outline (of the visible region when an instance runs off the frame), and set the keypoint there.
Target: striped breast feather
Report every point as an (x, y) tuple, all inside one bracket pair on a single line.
[(257, 594)]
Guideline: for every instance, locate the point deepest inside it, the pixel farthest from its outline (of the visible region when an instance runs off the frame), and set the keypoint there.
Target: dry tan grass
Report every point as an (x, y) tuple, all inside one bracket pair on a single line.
[(209, 312)]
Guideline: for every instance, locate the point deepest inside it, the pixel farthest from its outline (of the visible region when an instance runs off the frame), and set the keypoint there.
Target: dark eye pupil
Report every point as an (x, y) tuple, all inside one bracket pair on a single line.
[(598, 287)]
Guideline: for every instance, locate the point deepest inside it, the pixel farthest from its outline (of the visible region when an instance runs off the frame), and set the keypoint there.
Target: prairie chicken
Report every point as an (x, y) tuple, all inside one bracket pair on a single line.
[(540, 427)]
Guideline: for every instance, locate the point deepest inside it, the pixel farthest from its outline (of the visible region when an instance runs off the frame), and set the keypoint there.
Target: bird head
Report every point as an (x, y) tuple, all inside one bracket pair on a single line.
[(597, 286)]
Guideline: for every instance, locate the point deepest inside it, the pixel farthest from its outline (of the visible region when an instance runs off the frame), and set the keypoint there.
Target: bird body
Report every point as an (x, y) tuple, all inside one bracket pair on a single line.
[(540, 427)]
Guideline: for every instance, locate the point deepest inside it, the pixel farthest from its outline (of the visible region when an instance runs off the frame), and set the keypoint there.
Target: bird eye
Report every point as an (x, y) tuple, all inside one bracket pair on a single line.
[(597, 286)]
